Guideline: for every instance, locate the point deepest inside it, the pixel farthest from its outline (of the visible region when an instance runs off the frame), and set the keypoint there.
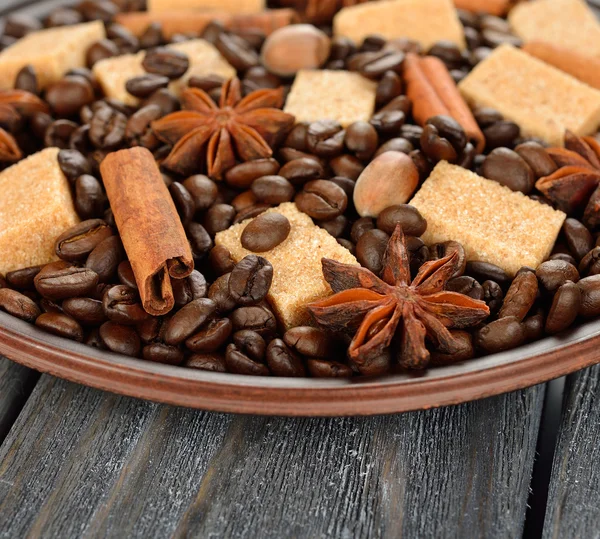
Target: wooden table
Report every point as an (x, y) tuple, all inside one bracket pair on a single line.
[(78, 462)]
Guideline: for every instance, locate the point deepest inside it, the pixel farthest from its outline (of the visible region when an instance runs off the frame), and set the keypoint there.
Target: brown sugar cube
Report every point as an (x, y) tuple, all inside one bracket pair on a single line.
[(425, 21), (543, 100), (493, 223), (297, 272), (51, 52), (205, 59), (35, 208), (331, 95), (568, 23), (230, 6)]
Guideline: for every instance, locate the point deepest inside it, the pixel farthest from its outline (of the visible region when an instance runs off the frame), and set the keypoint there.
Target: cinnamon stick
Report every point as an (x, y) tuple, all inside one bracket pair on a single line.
[(432, 91), (493, 7), (149, 225), (582, 67)]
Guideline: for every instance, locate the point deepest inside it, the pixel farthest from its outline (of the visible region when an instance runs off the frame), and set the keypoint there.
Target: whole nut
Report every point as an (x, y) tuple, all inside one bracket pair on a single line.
[(389, 180), (296, 47)]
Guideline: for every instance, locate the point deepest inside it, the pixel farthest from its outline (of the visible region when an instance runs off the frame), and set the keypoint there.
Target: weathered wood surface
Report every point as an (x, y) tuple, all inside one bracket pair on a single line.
[(573, 509), (16, 383), (83, 463)]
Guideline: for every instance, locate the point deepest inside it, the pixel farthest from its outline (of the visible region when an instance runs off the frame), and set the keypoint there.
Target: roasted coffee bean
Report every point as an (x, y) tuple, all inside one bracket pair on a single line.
[(18, 305), (107, 128), (389, 87), (165, 100), (362, 139), (320, 368), (301, 170), (220, 260), (296, 138), (373, 65), (486, 116), (101, 50), (87, 311), (56, 282), (61, 325), (335, 227), (80, 240), (163, 353), (590, 263), (250, 343), (120, 339), (501, 134), (206, 362), (502, 334), (103, 10), (124, 39), (322, 199), (483, 271), (19, 25), (492, 295), (93, 339), (325, 138), (590, 296), (152, 329), (250, 280), (537, 158), (144, 86), (347, 166), (125, 274), (138, 130), (579, 238), (447, 248), (282, 361), (188, 320), (73, 164), (189, 289), (219, 217), (236, 51), (449, 129), (3, 282), (510, 169), (422, 163), (256, 318), (105, 258), (466, 285), (565, 308), (403, 104), (48, 306), (346, 184), (258, 78), (152, 36), (405, 215), (464, 350), (166, 62), (533, 326), (361, 226), (448, 52), (310, 341), (203, 191), (58, 134), (265, 232), (88, 75), (388, 122), (211, 337), (370, 249), (183, 202), (89, 197), (122, 305), (200, 240), (273, 189), (520, 296), (67, 96), (243, 175), (495, 38), (239, 363), (27, 80), (552, 274), (22, 279)]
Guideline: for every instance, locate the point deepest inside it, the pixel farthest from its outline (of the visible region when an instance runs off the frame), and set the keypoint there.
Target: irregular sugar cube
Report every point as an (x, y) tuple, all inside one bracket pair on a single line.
[(35, 208), (425, 21), (543, 100), (51, 52), (230, 6), (493, 223), (297, 273), (331, 95), (205, 59), (568, 23)]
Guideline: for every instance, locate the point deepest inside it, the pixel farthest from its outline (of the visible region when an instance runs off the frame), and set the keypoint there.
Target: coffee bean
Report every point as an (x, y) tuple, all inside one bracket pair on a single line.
[(27, 80), (282, 361), (211, 337), (152, 329), (501, 134), (206, 362), (492, 295), (325, 138), (165, 100), (67, 96), (250, 343), (18, 305), (311, 342), (296, 138), (483, 271), (466, 285), (61, 325), (120, 339), (520, 296), (265, 232), (166, 62), (335, 227), (565, 308), (22, 279), (20, 24), (537, 158), (239, 363), (200, 240), (58, 133), (347, 166), (258, 78), (183, 202), (100, 50), (370, 249), (302, 170), (220, 260), (202, 190), (144, 86), (105, 258), (80, 240), (273, 189), (122, 305), (73, 164), (495, 38), (256, 318), (107, 128), (152, 36), (219, 217), (125, 274), (464, 350), (236, 51), (374, 64), (405, 215), (188, 320), (579, 238), (362, 139), (250, 280), (87, 311), (502, 334), (449, 129), (322, 199), (138, 131), (388, 122), (102, 10), (320, 368), (590, 296), (552, 274), (389, 87), (361, 226), (3, 283), (89, 197), (59, 281), (590, 263), (189, 289), (510, 169), (163, 353)]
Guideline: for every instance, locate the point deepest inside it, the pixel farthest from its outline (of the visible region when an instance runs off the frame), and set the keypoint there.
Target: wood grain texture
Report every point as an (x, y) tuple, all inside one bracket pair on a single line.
[(16, 384), (573, 508), (83, 463)]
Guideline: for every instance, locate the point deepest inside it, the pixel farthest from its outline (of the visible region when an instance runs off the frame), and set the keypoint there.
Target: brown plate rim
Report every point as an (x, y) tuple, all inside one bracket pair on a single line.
[(492, 375)]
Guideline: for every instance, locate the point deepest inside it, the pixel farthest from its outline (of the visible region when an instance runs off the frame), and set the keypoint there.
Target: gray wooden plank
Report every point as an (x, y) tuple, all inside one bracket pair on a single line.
[(16, 383), (573, 508), (82, 463)]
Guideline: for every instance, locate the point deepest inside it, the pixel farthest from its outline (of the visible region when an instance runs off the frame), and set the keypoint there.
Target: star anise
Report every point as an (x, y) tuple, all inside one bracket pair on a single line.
[(376, 311), (574, 185), (236, 128)]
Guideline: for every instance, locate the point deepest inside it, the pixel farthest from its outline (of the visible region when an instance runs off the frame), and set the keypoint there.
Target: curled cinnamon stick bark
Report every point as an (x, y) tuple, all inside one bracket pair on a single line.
[(149, 225), (432, 91)]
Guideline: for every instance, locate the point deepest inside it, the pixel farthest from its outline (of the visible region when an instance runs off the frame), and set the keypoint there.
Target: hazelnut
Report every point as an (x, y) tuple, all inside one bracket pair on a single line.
[(390, 179), (295, 47)]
